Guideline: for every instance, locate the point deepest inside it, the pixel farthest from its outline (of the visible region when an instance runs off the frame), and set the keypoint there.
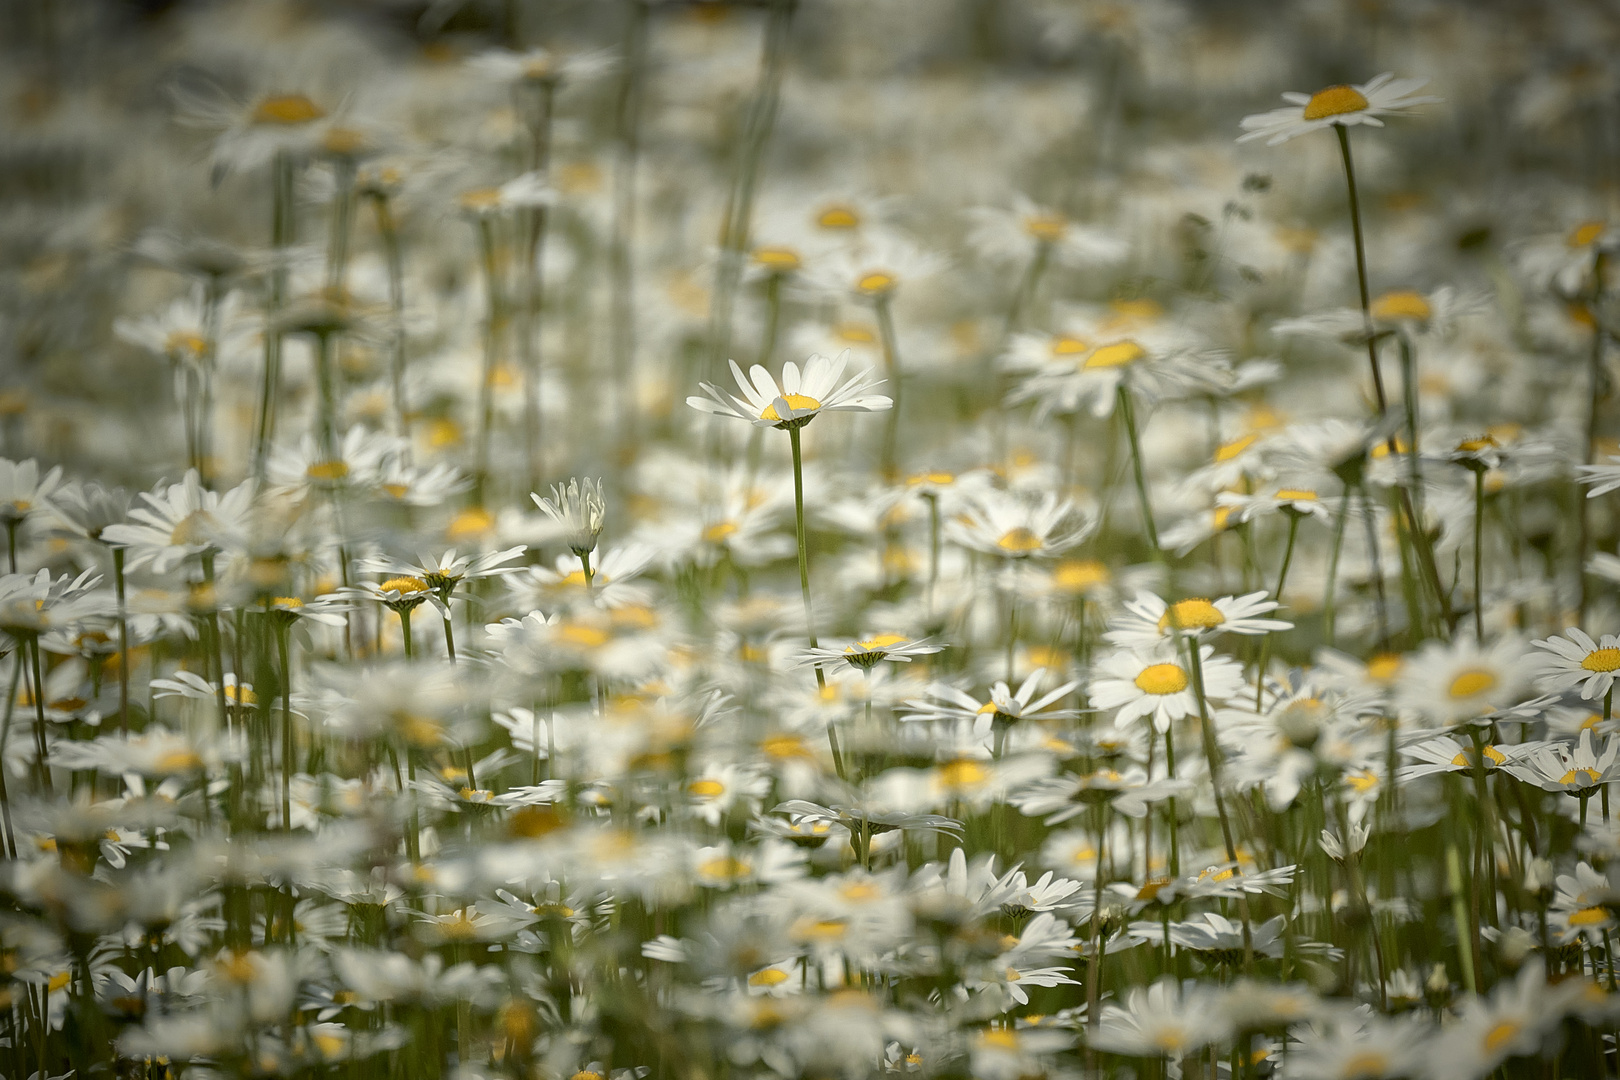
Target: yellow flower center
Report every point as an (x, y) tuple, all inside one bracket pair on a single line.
[(724, 868), (1191, 614), (404, 585), (1334, 101), (1591, 916), (1169, 1041), (1118, 354), (875, 644), (780, 260), (706, 788), (1019, 541), (962, 774), (177, 761), (782, 747), (877, 282), (1404, 304), (719, 531), (1483, 442), (1068, 345), (1585, 233), (768, 977), (1000, 1039), (1501, 1033), (838, 216), (1228, 451), (1602, 660), (479, 199), (327, 470), (796, 402), (287, 110), (1383, 667), (591, 637), (1470, 683), (470, 524), (342, 141), (1161, 679), (1296, 495), (194, 528), (241, 695), (1046, 227), (288, 602), (1579, 778), (860, 890), (1366, 1065), (1074, 575), (183, 341), (1361, 781)]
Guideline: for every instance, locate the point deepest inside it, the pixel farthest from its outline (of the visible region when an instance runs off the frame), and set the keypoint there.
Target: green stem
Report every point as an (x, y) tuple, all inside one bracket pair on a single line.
[(1361, 268), (1128, 414), (891, 365), (123, 640), (804, 580), (1212, 755), (1479, 554), (1282, 579), (38, 694), (285, 653)]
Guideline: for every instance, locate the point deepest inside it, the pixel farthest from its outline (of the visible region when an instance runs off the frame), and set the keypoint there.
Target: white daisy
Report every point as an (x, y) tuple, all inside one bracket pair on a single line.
[(866, 653), (1154, 682), (1148, 620), (952, 704), (1344, 105), (799, 398), (1449, 683), (1004, 524), (1577, 660)]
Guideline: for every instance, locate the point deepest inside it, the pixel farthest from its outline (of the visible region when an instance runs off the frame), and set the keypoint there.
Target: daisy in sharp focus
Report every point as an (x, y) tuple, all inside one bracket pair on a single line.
[(866, 653), (1149, 620), (1153, 682), (1576, 660), (952, 704), (1343, 105), (799, 398)]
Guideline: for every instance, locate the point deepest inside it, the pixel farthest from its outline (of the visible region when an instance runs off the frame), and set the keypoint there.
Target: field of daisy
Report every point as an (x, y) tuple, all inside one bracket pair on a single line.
[(828, 539)]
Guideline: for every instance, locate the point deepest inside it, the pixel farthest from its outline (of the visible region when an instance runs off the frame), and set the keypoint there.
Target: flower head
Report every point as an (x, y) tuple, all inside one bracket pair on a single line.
[(1343, 105), (799, 398)]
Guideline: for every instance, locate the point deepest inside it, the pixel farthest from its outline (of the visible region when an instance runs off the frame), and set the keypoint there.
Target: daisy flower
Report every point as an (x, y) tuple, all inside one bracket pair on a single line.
[(1580, 907), (1577, 660), (1016, 234), (798, 398), (1344, 105), (1090, 379), (579, 511), (952, 704), (1161, 1020), (1446, 754), (1013, 527), (1148, 620), (179, 521), (866, 653), (1602, 478), (1450, 683), (1153, 682), (1577, 770), (23, 490)]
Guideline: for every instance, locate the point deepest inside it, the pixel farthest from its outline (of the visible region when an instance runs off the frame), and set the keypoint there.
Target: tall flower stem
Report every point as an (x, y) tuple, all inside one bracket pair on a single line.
[(389, 232), (737, 221), (891, 364), (123, 640), (285, 653), (1595, 388), (1170, 803), (494, 329), (1479, 554), (804, 581), (1212, 755), (1282, 579), (1339, 523), (538, 119), (1127, 412), (282, 232), (37, 692), (208, 362), (621, 266), (405, 631)]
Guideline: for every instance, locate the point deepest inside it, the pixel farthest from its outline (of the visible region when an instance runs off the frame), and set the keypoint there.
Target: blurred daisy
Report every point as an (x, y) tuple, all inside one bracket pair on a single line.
[(1003, 704), (1017, 527), (1449, 683), (1344, 105), (1017, 233)]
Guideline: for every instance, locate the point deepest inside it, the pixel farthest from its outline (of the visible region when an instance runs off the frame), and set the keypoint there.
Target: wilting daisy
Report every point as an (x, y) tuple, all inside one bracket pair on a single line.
[(798, 398), (1148, 619), (1344, 105), (1154, 682), (1576, 660)]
